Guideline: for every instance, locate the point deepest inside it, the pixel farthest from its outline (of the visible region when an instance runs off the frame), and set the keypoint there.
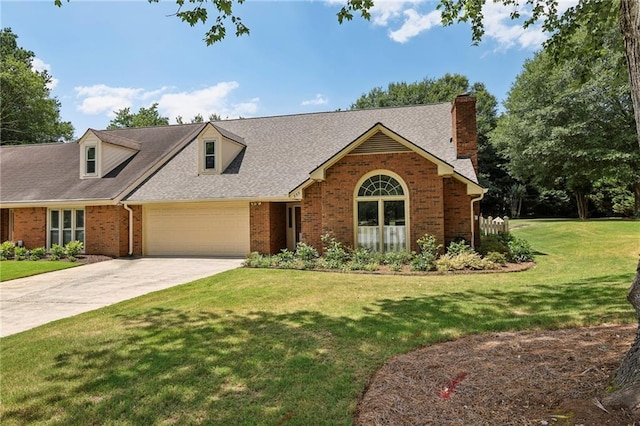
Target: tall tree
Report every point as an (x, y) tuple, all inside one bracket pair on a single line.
[(145, 117), (444, 89), (569, 124), (28, 114)]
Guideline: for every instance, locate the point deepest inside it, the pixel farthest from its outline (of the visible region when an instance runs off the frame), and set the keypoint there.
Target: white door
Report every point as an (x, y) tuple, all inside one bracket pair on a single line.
[(196, 229)]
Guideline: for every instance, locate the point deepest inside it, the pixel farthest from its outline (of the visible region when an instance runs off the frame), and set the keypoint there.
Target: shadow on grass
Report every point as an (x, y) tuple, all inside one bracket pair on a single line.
[(304, 367)]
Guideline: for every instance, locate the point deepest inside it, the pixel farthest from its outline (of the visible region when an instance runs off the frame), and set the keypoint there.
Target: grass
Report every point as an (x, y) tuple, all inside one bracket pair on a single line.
[(12, 269), (293, 347)]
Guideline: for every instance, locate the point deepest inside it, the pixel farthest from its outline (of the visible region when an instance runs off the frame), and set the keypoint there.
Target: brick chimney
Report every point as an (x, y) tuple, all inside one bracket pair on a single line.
[(464, 128)]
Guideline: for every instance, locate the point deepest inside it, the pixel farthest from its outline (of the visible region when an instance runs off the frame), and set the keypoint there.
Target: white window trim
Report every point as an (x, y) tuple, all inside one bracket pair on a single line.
[(74, 228), (85, 150), (203, 155), (380, 199)]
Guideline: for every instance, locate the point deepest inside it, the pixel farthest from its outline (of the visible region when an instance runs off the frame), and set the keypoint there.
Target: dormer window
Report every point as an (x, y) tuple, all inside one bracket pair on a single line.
[(210, 155), (90, 168)]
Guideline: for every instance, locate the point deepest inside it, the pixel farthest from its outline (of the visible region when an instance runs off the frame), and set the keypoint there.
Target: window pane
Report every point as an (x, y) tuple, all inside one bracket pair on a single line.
[(55, 219), (91, 153), (394, 213), (79, 236), (91, 166), (55, 237), (210, 162), (380, 185), (210, 148), (66, 219), (367, 213), (66, 236), (79, 218)]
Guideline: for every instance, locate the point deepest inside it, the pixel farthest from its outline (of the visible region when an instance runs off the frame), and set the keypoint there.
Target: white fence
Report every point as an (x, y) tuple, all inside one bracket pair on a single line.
[(490, 225)]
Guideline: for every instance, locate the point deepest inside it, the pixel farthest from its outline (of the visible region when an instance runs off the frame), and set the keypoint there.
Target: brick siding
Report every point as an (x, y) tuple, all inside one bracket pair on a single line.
[(465, 132), (268, 231), (30, 226)]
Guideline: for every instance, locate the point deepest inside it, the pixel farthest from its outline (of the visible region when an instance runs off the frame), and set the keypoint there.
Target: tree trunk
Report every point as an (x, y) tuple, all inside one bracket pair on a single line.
[(630, 27), (582, 200), (636, 199), (628, 374)]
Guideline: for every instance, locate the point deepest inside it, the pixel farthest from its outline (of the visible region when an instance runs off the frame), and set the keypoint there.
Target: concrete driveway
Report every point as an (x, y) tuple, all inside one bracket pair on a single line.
[(26, 303)]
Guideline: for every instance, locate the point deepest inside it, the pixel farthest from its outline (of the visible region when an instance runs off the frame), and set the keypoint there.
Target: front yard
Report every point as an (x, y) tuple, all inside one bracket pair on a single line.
[(12, 269), (256, 346)]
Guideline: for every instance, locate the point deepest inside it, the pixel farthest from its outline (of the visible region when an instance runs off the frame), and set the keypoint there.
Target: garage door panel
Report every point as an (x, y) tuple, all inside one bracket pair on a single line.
[(212, 229)]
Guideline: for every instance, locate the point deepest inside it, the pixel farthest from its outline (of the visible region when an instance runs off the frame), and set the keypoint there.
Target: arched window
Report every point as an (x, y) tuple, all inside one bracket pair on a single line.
[(381, 219)]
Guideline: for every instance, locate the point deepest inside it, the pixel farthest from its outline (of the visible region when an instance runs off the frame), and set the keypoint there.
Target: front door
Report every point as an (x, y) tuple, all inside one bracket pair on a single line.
[(294, 225)]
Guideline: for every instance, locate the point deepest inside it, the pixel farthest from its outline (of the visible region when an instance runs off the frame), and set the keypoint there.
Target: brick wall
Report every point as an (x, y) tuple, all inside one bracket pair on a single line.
[(107, 230), (332, 201), (465, 131), (268, 227), (30, 226), (457, 211)]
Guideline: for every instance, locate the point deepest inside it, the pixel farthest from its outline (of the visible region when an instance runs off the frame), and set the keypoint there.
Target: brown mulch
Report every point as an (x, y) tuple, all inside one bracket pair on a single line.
[(528, 378), (92, 258)]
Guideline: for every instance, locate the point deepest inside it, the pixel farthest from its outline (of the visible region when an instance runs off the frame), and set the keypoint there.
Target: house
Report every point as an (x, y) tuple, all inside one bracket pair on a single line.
[(379, 178)]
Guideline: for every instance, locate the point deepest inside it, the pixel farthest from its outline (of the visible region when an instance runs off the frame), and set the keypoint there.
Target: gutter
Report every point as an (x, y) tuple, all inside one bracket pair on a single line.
[(473, 225), (127, 208)]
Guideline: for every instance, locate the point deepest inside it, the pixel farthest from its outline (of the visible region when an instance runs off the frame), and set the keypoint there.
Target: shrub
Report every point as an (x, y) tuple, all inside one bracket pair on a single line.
[(429, 245), (285, 259), (398, 257), (466, 260), (73, 249), (257, 260), (492, 243), (495, 257), (429, 249), (396, 267), (306, 252), (20, 253), (364, 255), (335, 255), (57, 252), (520, 250), (7, 250), (38, 253), (458, 247)]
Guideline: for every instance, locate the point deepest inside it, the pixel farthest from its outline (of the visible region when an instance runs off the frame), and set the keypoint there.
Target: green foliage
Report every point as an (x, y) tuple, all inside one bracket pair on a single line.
[(306, 251), (464, 260), (57, 252), (20, 253), (496, 243), (28, 113), (335, 255), (145, 117), (257, 260), (38, 253), (7, 250), (458, 247), (285, 259), (403, 257), (429, 250), (520, 250), (497, 258), (73, 249)]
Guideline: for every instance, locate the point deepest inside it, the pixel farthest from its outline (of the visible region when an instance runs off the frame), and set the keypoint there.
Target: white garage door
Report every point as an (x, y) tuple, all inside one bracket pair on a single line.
[(207, 229)]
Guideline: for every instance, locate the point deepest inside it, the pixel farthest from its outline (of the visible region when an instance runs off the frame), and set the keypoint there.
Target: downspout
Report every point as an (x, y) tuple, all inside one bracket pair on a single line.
[(473, 225), (127, 208)]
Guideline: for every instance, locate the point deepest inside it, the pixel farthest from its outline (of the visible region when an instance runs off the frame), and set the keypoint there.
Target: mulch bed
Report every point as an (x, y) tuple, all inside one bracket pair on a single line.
[(528, 378)]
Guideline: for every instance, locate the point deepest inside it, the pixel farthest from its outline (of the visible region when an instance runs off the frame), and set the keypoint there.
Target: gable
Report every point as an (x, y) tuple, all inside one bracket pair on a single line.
[(379, 143)]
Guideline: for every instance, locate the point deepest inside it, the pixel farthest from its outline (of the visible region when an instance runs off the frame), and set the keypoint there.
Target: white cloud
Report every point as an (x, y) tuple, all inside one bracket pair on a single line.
[(506, 32), (39, 65), (102, 99), (386, 10), (318, 100), (414, 24)]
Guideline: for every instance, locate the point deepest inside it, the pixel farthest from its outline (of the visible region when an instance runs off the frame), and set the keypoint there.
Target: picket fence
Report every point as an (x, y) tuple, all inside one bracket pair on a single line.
[(492, 225)]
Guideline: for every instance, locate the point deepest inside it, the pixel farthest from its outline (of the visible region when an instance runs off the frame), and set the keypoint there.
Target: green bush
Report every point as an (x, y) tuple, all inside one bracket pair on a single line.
[(38, 253), (73, 249), (520, 250), (458, 247), (257, 260), (465, 260), (493, 243), (57, 252), (429, 249), (495, 257), (7, 250), (396, 267), (335, 255), (306, 252), (20, 253), (285, 259), (398, 257)]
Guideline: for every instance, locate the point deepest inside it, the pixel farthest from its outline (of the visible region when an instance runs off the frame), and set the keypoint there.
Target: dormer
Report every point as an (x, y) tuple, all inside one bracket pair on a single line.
[(103, 151), (217, 148)]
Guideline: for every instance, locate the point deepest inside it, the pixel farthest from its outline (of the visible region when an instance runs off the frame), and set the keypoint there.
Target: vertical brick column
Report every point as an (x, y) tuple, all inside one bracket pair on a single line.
[(465, 129), (30, 226)]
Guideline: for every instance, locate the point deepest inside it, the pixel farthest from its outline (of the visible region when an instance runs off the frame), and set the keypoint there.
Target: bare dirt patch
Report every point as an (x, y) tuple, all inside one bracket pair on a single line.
[(528, 378)]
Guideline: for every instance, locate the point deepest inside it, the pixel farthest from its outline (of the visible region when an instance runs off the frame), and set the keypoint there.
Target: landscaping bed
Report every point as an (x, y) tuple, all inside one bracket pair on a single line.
[(526, 378)]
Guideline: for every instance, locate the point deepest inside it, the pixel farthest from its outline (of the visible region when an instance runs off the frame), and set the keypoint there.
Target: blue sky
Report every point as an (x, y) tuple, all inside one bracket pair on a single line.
[(107, 55)]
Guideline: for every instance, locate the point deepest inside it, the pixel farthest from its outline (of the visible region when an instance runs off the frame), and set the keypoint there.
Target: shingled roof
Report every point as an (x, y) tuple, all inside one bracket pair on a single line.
[(279, 154)]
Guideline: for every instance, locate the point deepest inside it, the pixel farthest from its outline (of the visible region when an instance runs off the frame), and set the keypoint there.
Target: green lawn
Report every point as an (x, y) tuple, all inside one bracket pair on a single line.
[(293, 347), (12, 269)]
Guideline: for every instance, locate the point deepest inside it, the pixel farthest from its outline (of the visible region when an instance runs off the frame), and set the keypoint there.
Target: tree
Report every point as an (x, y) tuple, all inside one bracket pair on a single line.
[(491, 164), (199, 119), (27, 112), (569, 124), (145, 117)]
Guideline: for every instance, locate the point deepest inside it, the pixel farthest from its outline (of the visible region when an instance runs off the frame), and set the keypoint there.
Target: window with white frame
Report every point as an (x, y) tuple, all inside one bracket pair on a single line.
[(209, 163), (91, 160), (66, 225)]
